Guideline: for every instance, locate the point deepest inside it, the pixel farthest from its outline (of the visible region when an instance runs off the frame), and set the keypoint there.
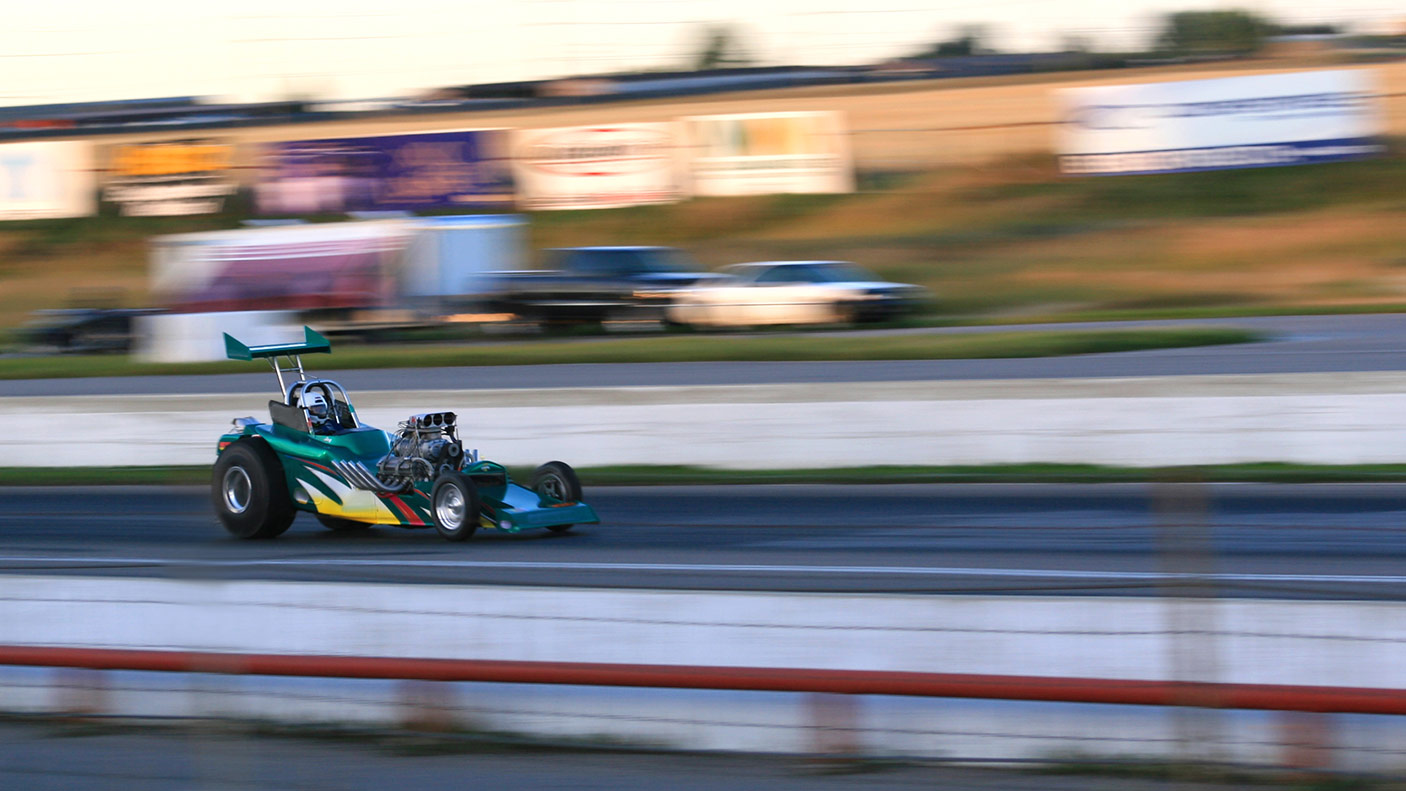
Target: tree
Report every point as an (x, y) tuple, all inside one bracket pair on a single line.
[(970, 40), (721, 48), (1210, 32), (1076, 43)]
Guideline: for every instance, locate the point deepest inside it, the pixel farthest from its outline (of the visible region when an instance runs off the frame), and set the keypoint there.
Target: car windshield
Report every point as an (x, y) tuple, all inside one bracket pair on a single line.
[(838, 272), (627, 261), (806, 272), (663, 261)]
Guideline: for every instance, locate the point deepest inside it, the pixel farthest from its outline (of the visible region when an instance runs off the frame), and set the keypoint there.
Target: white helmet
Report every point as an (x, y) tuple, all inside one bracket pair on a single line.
[(316, 404)]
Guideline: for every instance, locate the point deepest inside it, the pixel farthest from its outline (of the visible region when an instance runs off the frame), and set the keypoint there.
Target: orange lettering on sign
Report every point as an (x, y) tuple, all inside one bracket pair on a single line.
[(165, 159)]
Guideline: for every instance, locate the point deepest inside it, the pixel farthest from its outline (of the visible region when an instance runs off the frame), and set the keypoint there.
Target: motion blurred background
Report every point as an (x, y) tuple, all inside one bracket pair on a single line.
[(463, 184), (914, 142)]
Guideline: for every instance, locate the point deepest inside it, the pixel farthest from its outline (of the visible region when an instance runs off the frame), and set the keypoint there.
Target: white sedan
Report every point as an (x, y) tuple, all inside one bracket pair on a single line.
[(793, 292)]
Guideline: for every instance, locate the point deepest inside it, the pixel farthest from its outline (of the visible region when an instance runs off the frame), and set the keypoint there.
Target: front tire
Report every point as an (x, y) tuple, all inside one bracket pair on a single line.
[(249, 493), (455, 506), (848, 313), (556, 480)]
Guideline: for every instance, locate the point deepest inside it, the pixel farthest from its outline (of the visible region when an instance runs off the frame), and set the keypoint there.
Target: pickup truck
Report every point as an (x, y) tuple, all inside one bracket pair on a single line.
[(590, 285)]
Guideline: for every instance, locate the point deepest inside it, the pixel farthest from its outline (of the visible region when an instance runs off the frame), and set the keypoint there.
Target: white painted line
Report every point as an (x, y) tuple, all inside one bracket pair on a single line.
[(720, 568)]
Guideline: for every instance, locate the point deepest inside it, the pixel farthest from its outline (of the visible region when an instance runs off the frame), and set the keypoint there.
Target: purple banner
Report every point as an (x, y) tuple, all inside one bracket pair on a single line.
[(432, 170)]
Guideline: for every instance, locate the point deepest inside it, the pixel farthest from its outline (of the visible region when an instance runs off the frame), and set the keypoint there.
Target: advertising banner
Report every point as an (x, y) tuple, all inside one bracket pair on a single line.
[(168, 178), (1233, 122), (431, 170), (759, 153), (47, 180), (597, 167)]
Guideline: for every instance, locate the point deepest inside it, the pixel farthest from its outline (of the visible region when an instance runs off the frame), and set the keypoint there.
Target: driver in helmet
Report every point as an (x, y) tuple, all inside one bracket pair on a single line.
[(321, 414)]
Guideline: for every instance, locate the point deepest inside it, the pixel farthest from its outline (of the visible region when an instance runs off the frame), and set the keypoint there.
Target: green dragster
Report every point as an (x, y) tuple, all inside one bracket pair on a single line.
[(314, 455)]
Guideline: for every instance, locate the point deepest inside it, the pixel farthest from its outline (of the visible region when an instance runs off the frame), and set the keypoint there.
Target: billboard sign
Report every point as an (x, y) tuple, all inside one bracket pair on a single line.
[(168, 178), (1232, 122), (47, 180), (430, 170), (597, 167), (760, 153)]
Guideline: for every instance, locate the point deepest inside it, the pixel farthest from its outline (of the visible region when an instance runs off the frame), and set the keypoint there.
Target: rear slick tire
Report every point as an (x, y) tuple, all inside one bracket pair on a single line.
[(248, 491), (455, 506)]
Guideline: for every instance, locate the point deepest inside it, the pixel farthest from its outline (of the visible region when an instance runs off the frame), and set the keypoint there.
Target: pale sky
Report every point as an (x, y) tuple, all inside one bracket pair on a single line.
[(255, 50)]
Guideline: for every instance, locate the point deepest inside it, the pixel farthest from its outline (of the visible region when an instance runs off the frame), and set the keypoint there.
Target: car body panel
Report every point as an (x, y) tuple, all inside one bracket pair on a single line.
[(793, 292)]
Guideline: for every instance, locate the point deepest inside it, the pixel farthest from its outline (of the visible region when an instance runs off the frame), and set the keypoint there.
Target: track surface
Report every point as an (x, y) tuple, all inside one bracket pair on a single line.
[(1320, 541), (1300, 344), (66, 758)]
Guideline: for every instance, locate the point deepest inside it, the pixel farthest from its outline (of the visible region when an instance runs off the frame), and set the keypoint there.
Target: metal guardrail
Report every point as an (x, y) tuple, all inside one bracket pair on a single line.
[(1266, 697)]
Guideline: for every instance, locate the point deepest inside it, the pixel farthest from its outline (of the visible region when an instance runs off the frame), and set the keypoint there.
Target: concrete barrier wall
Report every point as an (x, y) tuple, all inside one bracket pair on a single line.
[(1153, 421), (198, 337), (1360, 644), (1250, 641)]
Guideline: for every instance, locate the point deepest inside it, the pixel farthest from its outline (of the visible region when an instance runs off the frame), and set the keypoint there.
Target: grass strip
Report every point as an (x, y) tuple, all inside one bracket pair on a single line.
[(674, 348), (1203, 313), (664, 475)]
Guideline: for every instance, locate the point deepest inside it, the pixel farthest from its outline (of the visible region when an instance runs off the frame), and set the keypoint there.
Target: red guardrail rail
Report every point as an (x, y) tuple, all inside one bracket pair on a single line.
[(1270, 697)]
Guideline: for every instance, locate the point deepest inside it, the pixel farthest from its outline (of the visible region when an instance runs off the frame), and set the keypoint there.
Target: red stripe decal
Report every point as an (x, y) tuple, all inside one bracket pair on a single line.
[(405, 509)]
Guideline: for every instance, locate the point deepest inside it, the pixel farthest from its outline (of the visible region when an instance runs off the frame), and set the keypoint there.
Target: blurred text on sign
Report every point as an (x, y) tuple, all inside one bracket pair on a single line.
[(407, 172), (169, 178), (762, 153), (1233, 122), (597, 167)]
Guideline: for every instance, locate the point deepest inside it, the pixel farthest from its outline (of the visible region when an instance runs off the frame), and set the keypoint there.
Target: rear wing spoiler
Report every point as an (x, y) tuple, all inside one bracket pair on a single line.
[(313, 343)]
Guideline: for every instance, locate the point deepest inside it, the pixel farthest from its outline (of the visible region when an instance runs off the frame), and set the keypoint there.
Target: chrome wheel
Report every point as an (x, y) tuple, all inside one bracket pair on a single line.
[(455, 506), (552, 486), (556, 483), (238, 490), (449, 508)]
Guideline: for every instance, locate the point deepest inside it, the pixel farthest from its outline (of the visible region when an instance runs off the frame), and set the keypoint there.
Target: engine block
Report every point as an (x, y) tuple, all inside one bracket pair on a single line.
[(424, 446)]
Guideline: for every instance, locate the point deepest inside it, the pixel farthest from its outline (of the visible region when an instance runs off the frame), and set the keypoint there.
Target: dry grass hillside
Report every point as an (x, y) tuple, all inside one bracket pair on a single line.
[(1016, 239)]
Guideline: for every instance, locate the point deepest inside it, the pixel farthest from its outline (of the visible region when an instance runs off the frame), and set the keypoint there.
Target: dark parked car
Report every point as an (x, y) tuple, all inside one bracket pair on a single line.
[(82, 329), (589, 285)]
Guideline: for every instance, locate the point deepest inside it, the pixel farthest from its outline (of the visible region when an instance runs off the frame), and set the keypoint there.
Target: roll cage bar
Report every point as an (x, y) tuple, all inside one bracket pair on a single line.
[(287, 358)]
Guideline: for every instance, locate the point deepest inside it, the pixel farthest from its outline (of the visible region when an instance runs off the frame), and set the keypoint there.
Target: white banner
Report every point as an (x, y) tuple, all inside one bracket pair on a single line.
[(760, 153), (1234, 122), (597, 167), (47, 180)]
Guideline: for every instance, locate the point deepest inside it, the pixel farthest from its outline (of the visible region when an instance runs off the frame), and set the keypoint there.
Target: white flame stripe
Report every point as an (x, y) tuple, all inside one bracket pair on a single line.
[(356, 504)]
